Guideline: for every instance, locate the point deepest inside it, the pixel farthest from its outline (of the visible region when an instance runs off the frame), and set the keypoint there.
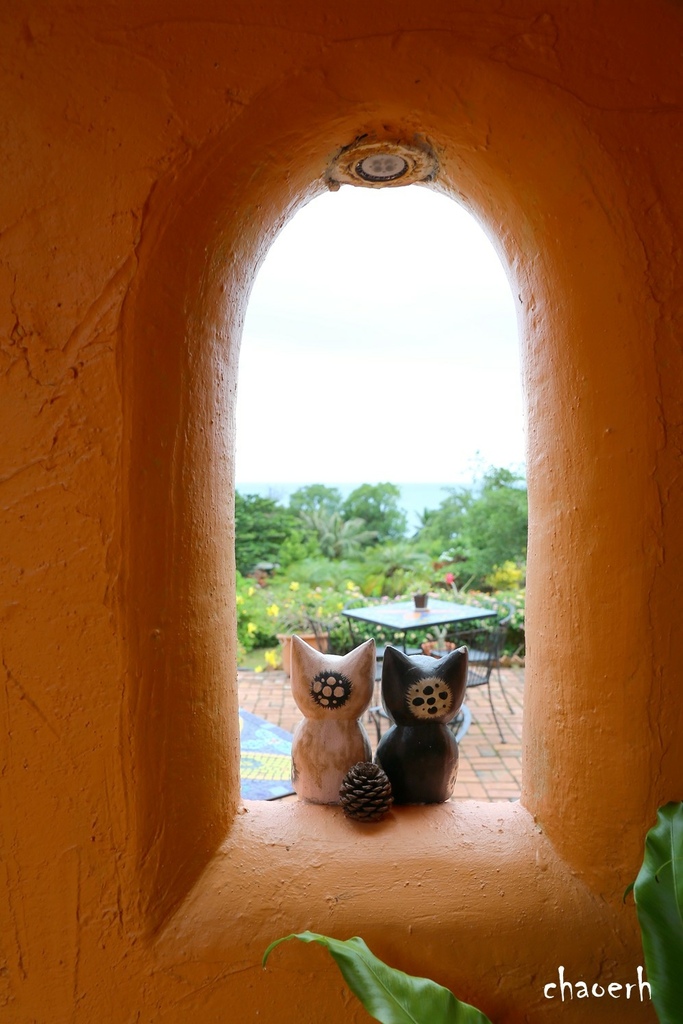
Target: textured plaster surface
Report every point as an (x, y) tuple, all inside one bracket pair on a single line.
[(150, 154)]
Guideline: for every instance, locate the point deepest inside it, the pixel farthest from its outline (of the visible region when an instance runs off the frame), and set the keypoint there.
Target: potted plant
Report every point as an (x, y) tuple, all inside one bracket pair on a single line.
[(439, 645), (317, 640), (297, 618), (420, 587)]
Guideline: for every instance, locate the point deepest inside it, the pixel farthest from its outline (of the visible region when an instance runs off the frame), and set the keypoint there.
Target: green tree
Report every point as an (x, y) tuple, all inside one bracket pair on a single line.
[(482, 527), (497, 523), (315, 498), (388, 568), (441, 527), (261, 529), (338, 537), (378, 506)]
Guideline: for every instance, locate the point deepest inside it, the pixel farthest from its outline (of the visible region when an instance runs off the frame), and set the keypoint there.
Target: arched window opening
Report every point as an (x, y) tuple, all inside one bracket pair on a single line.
[(380, 448)]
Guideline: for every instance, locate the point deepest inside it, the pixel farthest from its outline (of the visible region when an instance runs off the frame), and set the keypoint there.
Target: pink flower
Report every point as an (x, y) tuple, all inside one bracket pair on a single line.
[(450, 578)]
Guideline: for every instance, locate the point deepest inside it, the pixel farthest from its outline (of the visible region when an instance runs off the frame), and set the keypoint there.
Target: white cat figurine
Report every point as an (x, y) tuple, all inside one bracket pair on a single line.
[(332, 692)]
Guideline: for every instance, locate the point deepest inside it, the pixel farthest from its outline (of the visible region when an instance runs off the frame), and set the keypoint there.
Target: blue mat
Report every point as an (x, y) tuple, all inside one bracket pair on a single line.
[(265, 758)]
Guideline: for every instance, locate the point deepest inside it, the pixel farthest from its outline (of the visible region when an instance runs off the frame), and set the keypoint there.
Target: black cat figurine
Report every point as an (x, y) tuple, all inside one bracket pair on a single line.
[(421, 695)]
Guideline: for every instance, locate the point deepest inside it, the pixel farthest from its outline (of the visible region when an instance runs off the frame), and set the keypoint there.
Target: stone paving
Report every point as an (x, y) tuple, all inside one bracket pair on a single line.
[(489, 769)]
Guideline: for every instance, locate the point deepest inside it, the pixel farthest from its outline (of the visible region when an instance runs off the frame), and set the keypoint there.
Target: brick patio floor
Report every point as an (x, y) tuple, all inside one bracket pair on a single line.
[(489, 769)]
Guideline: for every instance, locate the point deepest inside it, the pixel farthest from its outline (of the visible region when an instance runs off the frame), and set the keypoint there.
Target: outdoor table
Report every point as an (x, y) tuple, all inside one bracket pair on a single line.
[(402, 616)]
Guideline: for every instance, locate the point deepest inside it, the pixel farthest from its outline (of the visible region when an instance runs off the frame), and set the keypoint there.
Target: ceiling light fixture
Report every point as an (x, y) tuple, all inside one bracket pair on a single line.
[(382, 167), (373, 163)]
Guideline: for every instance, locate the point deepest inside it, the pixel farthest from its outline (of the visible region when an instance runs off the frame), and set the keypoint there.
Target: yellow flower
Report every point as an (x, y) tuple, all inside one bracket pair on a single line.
[(239, 600), (251, 592), (258, 668), (252, 628), (272, 658), (294, 585), (340, 605), (273, 611), (350, 585)]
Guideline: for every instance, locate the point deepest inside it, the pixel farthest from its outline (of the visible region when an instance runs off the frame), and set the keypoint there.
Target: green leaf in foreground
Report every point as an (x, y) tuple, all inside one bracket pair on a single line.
[(658, 892), (390, 996)]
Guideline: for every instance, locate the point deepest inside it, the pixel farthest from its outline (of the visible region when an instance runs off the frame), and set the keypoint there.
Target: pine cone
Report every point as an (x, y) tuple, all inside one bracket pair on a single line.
[(365, 792)]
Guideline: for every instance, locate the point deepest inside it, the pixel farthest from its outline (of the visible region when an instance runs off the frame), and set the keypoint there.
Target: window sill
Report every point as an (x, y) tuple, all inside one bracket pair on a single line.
[(438, 890)]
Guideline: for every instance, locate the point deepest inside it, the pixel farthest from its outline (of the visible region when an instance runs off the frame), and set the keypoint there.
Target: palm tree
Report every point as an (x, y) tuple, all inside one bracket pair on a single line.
[(338, 537)]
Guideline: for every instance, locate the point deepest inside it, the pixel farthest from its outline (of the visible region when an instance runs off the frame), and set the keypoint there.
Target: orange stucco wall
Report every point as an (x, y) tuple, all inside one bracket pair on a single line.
[(151, 151)]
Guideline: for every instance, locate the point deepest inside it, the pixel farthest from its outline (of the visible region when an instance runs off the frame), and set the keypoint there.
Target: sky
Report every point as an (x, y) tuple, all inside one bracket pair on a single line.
[(380, 344)]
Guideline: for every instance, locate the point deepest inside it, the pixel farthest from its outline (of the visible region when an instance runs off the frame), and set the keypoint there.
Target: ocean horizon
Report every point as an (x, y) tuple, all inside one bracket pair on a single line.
[(415, 497)]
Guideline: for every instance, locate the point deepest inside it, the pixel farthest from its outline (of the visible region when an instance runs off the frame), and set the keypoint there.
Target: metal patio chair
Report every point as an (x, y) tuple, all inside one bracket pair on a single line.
[(484, 647)]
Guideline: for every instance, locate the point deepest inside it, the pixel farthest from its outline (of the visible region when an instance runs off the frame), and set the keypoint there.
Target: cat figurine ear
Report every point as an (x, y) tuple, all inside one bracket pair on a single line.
[(419, 753), (332, 692)]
